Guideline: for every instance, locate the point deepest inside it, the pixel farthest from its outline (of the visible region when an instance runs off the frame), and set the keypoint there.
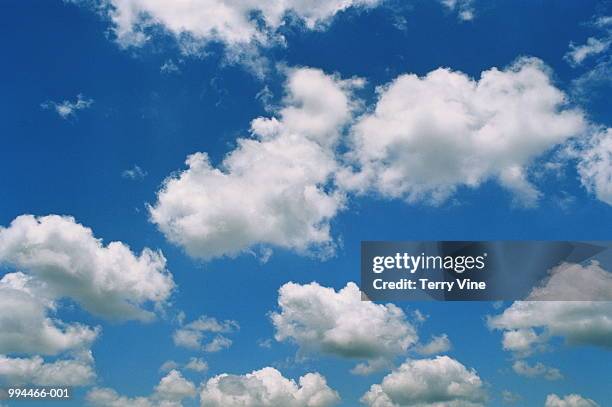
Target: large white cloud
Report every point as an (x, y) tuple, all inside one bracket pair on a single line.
[(430, 135), (534, 321), (76, 371), (68, 261), (439, 382), (26, 325), (571, 400), (595, 165), (274, 188), (170, 392), (320, 319), (267, 388)]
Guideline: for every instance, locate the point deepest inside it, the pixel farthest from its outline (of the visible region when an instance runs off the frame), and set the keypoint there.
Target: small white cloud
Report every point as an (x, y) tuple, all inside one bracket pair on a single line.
[(267, 388), (197, 365), (169, 67), (593, 46), (523, 368), (437, 345), (577, 54), (442, 381), (571, 400), (265, 343), (522, 341), (463, 8), (67, 109), (320, 319), (509, 397), (193, 334), (135, 173)]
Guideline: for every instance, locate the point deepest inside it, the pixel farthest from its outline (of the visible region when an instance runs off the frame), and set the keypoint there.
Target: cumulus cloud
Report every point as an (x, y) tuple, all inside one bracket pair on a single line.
[(523, 341), (571, 400), (267, 388), (595, 165), (192, 335), (539, 369), (170, 392), (67, 109), (320, 319), (242, 27), (273, 189), (437, 345), (67, 260), (197, 365), (26, 325), (536, 320), (439, 382), (463, 8), (77, 371), (430, 135)]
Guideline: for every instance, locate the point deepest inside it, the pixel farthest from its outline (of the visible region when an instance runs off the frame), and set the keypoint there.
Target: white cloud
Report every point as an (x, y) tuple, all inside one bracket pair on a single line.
[(320, 319), (439, 382), (25, 324), (267, 388), (67, 109), (534, 321), (437, 345), (509, 397), (169, 67), (523, 368), (571, 400), (464, 8), (134, 173), (77, 371), (522, 341), (429, 136), (197, 365), (595, 165), (577, 54), (593, 46), (243, 27), (66, 258), (170, 392), (273, 189), (191, 335)]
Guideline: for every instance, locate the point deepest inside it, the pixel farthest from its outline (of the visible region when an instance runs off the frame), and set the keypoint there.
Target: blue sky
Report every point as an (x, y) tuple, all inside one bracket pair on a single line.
[(141, 115)]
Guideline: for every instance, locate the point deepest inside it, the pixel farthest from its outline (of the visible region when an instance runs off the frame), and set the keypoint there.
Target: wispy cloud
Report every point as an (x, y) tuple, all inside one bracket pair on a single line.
[(66, 108)]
